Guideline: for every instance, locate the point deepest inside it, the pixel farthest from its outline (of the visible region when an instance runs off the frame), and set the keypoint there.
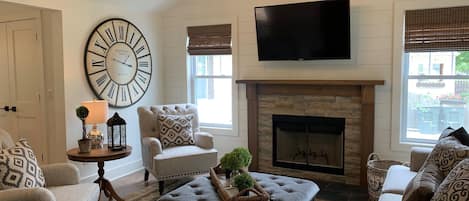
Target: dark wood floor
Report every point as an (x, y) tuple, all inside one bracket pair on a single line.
[(329, 191)]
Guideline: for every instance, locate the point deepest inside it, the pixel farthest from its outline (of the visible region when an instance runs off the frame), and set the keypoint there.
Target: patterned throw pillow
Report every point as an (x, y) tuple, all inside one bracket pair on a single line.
[(447, 153), (19, 168), (456, 184), (176, 130)]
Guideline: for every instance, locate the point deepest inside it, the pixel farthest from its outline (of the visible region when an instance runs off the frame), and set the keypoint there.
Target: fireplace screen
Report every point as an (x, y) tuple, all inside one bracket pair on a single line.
[(309, 143)]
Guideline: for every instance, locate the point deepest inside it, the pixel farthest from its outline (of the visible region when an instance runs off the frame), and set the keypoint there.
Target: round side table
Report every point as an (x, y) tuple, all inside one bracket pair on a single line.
[(99, 156)]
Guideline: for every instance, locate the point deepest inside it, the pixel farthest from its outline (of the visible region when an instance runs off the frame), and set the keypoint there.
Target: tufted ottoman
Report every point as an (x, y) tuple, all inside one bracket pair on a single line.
[(280, 188)]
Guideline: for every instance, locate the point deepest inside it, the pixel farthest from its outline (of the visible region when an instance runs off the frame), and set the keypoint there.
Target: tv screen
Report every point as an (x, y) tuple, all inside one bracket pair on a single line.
[(304, 31)]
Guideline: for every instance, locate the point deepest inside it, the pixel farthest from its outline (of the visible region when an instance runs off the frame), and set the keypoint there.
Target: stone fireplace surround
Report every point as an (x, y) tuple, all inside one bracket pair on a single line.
[(351, 99)]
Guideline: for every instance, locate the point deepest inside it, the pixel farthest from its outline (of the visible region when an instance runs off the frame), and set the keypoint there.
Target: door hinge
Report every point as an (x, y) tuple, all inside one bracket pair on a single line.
[(36, 36), (42, 157)]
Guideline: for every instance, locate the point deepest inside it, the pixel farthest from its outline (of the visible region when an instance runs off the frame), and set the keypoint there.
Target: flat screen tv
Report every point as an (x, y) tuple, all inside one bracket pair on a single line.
[(304, 31)]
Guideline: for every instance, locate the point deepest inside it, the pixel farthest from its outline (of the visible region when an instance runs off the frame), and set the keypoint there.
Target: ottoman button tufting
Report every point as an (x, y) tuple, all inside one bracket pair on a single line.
[(281, 184), (289, 190), (299, 182), (174, 194), (273, 178), (194, 185), (199, 192)]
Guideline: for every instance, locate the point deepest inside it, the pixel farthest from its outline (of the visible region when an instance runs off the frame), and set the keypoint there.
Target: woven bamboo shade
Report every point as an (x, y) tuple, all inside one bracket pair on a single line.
[(440, 29), (209, 40)]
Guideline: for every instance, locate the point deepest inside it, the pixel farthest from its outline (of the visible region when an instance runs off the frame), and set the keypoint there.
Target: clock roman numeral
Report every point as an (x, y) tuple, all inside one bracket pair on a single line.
[(121, 32), (132, 38), (100, 81), (109, 35), (97, 63), (143, 64), (135, 89), (97, 44), (110, 93), (141, 78), (123, 95), (140, 49)]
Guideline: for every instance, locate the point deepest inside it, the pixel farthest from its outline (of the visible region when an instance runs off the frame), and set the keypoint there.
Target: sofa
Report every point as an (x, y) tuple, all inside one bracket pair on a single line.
[(399, 176), (62, 183)]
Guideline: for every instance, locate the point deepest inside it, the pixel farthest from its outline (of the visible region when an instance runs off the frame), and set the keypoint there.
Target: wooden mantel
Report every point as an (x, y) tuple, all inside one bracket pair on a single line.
[(365, 89)]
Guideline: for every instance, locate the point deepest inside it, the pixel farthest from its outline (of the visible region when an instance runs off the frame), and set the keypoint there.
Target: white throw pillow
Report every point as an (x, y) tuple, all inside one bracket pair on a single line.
[(19, 167), (176, 130)]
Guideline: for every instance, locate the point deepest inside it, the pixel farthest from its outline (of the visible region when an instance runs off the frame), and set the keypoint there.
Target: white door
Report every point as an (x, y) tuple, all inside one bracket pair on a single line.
[(25, 86), (5, 120)]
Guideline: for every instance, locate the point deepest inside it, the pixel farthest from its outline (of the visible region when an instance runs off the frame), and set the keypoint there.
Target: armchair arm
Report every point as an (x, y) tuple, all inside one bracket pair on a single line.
[(27, 194), (418, 156), (60, 174), (151, 146), (204, 140)]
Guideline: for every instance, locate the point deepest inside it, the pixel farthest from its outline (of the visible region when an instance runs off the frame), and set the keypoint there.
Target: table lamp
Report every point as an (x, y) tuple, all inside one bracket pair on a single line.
[(97, 115)]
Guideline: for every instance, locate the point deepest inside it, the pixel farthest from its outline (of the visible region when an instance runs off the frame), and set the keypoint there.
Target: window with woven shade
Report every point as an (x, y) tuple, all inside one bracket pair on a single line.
[(210, 67), (436, 72)]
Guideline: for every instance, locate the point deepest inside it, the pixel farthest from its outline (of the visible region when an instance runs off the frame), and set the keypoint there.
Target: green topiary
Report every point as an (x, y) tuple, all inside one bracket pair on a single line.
[(230, 162), (243, 155), (82, 112), (243, 181)]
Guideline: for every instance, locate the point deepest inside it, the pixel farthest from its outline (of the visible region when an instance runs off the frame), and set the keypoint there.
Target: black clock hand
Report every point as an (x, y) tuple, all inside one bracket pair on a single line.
[(128, 65)]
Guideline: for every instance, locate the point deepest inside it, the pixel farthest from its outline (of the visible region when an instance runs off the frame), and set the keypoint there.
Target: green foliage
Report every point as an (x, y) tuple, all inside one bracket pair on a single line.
[(243, 181), (231, 162), (237, 159), (243, 155), (462, 62), (82, 112)]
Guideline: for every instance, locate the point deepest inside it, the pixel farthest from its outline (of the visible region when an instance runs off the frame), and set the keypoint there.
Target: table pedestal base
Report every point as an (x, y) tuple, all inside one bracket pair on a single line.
[(105, 185)]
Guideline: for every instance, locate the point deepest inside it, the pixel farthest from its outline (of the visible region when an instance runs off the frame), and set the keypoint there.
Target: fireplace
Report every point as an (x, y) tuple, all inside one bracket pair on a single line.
[(308, 143)]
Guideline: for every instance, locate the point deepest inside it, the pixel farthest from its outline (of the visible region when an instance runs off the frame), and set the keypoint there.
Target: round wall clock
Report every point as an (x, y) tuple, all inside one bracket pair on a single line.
[(118, 62)]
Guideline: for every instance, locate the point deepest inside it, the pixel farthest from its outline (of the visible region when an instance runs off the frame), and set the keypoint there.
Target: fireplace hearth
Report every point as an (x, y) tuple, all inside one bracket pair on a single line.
[(308, 143)]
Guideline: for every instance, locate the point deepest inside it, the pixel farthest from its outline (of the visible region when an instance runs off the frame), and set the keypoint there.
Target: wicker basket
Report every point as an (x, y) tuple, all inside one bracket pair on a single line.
[(376, 173)]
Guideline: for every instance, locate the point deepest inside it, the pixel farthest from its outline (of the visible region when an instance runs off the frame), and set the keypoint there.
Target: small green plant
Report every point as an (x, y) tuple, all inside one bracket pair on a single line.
[(82, 112), (243, 155), (237, 159), (230, 162), (243, 181)]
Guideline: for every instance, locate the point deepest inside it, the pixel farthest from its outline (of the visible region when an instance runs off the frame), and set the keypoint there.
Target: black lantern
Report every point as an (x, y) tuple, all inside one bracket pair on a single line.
[(116, 133)]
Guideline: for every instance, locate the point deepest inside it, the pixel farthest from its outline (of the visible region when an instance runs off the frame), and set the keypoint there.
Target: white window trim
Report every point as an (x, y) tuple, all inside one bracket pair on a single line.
[(234, 130), (398, 96)]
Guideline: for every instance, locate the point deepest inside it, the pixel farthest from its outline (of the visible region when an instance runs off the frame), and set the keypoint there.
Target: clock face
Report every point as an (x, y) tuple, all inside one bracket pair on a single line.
[(118, 62)]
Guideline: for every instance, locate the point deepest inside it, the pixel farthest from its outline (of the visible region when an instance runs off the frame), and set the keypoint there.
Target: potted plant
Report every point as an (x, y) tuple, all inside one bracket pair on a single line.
[(243, 181), (235, 160), (84, 143)]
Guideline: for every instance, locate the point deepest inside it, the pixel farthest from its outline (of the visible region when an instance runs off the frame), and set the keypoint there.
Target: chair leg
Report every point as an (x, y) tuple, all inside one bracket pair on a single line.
[(146, 175), (161, 187)]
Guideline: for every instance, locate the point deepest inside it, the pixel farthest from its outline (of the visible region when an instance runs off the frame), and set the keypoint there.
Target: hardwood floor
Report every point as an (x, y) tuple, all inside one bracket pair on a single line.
[(329, 191), (129, 184)]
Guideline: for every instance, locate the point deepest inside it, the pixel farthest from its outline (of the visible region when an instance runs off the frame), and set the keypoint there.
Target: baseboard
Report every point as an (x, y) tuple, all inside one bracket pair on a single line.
[(116, 172)]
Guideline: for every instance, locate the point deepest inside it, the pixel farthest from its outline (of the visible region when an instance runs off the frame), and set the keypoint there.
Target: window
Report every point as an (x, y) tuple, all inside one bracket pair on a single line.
[(211, 68), (435, 73), (211, 89)]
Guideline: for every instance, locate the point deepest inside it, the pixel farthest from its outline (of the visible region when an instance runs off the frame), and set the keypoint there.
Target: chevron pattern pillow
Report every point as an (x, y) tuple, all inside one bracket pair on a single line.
[(176, 130), (19, 167)]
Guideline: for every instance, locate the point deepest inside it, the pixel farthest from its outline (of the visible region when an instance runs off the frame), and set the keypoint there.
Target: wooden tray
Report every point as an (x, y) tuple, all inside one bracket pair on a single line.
[(217, 176)]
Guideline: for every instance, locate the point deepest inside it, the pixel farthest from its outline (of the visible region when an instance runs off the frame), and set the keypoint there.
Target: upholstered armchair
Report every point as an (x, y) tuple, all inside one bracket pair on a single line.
[(177, 161), (62, 182)]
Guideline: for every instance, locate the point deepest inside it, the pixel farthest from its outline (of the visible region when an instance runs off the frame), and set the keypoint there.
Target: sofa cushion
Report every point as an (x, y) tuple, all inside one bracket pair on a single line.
[(180, 161), (397, 178), (78, 192), (447, 153), (19, 168), (390, 197), (456, 184), (176, 130)]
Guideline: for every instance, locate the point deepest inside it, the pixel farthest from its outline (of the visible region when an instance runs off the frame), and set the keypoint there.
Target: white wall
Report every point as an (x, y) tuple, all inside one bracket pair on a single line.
[(79, 19), (371, 36)]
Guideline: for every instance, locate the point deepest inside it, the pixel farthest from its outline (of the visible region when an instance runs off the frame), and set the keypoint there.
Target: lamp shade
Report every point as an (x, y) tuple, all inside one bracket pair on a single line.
[(97, 111)]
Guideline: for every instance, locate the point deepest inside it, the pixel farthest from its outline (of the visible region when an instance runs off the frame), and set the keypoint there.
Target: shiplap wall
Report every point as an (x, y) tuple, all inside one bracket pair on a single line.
[(371, 38)]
